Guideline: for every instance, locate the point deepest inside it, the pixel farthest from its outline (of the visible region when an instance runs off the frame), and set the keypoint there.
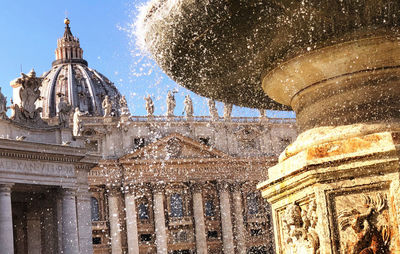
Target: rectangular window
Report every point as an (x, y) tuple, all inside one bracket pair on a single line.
[(212, 235), (209, 208), (176, 205), (96, 240), (145, 237), (143, 211), (252, 203)]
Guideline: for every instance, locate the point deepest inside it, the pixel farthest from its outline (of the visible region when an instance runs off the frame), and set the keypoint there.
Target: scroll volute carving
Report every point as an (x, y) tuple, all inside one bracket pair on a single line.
[(366, 228), (300, 229)]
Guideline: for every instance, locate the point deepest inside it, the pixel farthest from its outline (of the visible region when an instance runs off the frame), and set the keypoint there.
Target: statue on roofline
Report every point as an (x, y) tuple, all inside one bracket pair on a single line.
[(63, 113), (188, 108), (107, 106), (149, 106), (171, 103), (3, 106), (213, 109), (227, 111), (124, 106)]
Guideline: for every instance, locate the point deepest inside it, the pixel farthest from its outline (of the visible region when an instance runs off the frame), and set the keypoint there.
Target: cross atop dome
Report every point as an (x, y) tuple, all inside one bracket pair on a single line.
[(68, 48), (68, 34)]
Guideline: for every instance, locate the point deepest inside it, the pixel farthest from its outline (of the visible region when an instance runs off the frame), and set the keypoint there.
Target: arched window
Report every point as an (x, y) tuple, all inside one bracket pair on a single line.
[(252, 203), (176, 205), (94, 203), (209, 208), (143, 211)]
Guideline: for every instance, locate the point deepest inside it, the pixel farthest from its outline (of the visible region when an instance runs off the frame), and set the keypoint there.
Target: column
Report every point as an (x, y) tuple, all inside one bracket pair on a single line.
[(84, 220), (58, 206), (226, 219), (34, 232), (131, 221), (50, 229), (70, 243), (114, 218), (6, 225), (198, 214), (159, 219), (238, 215)]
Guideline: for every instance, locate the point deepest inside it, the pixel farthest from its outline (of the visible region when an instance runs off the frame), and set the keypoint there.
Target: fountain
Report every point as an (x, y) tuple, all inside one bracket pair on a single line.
[(335, 63)]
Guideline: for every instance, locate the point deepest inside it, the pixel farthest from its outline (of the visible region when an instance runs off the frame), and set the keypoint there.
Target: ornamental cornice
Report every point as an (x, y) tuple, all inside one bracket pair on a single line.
[(38, 151), (200, 161), (39, 156)]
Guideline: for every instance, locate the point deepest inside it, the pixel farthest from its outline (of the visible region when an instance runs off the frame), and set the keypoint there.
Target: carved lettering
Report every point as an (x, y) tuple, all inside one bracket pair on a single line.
[(34, 167)]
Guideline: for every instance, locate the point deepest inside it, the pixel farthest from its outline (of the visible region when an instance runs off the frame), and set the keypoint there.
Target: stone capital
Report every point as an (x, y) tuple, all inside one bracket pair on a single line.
[(6, 187), (68, 192), (158, 188), (196, 187), (113, 189), (130, 189), (223, 186), (236, 187)]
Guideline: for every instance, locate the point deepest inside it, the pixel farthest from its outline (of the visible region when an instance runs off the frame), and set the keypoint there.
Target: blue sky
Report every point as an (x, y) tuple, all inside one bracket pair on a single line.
[(29, 32)]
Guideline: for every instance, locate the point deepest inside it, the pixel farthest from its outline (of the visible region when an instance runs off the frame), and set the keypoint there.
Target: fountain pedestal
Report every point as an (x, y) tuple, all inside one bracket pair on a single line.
[(336, 188), (338, 196)]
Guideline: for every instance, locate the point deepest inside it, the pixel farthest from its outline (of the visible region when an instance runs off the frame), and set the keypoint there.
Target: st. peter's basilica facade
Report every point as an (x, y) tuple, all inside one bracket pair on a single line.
[(79, 174)]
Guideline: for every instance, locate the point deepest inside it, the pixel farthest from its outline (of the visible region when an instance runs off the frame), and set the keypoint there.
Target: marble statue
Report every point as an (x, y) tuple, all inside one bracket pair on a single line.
[(63, 113), (213, 109), (29, 92), (124, 106), (26, 112), (3, 106), (149, 106), (170, 104), (107, 106), (262, 112), (188, 108), (227, 111), (77, 122)]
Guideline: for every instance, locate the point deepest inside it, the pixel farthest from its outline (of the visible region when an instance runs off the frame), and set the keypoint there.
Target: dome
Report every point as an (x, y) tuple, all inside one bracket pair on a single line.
[(71, 78)]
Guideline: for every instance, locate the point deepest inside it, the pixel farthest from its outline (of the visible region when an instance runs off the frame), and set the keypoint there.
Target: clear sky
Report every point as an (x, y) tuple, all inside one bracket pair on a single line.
[(29, 32)]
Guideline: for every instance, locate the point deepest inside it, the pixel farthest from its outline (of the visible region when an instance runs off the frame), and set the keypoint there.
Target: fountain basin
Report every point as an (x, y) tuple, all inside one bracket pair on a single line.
[(347, 83), (223, 49)]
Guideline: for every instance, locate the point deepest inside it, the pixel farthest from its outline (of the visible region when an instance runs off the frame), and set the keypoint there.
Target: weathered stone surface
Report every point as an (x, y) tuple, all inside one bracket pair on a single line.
[(354, 181)]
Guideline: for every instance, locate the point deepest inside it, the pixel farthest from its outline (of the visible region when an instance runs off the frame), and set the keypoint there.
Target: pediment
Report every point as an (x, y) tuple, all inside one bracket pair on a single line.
[(175, 146)]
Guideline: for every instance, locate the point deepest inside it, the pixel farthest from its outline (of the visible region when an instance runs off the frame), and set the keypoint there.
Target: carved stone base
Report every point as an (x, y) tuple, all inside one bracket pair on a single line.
[(337, 193), (29, 119)]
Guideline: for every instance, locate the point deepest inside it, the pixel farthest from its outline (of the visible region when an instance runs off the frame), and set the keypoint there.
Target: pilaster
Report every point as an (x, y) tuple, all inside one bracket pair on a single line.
[(114, 194), (159, 218), (198, 212), (226, 218)]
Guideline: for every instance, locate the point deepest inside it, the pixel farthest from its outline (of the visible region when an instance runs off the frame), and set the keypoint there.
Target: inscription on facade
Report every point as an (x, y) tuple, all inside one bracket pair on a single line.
[(35, 167)]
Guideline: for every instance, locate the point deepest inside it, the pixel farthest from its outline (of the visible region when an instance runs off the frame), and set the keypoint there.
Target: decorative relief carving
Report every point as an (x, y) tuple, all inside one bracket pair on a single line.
[(174, 148), (300, 229), (364, 228)]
